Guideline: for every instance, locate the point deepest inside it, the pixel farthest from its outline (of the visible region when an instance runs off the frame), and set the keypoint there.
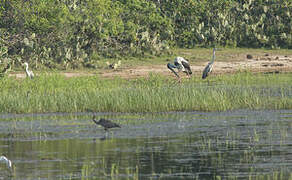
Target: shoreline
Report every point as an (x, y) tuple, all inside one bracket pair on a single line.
[(227, 61)]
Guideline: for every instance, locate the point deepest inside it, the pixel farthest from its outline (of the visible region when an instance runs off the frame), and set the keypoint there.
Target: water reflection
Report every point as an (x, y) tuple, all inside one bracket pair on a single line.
[(218, 145)]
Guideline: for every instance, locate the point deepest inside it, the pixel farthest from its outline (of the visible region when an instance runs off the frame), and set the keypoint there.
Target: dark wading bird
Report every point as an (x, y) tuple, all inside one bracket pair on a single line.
[(182, 65), (106, 124), (209, 67)]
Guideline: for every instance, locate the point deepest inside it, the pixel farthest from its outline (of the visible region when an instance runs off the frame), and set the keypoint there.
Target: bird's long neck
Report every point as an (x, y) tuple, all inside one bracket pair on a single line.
[(213, 57), (95, 120), (26, 68)]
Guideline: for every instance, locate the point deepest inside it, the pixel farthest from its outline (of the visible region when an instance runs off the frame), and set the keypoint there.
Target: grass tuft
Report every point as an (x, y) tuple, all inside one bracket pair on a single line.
[(56, 93)]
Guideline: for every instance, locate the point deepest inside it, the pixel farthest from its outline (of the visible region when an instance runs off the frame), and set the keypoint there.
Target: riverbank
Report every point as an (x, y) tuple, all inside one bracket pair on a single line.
[(227, 61)]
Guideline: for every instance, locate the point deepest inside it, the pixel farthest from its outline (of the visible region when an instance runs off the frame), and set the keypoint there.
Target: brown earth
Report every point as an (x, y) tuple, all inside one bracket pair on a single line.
[(265, 63)]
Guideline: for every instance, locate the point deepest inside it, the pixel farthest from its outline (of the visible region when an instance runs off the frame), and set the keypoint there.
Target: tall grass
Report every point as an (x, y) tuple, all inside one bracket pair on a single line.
[(55, 93)]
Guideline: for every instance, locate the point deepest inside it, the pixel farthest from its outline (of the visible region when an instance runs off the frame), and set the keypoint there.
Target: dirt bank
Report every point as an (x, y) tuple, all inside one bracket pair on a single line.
[(264, 63), (259, 63)]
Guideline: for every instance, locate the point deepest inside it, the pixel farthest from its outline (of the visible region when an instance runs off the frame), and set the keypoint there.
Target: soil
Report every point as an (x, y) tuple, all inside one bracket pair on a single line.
[(265, 63)]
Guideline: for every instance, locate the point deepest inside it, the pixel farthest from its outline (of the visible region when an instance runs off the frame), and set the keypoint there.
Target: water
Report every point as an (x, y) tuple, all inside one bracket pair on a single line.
[(195, 145)]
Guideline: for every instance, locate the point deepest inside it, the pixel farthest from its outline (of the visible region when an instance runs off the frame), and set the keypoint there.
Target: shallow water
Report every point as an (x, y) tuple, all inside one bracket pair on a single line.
[(217, 145)]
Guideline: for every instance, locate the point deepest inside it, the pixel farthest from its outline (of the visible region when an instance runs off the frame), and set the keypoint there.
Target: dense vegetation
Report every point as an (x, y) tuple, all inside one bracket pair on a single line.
[(55, 93), (74, 32)]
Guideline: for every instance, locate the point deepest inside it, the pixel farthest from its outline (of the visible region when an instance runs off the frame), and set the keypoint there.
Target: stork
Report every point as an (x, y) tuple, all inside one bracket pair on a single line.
[(209, 67), (181, 64)]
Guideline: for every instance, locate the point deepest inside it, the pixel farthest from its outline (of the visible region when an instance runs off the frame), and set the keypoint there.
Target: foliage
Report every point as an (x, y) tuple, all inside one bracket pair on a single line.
[(75, 32)]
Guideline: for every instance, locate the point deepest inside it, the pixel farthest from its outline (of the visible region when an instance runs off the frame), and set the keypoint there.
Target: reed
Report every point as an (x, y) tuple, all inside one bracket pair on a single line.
[(56, 93)]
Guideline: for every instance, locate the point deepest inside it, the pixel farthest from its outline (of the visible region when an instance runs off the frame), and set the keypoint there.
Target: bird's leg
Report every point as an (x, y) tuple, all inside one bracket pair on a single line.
[(188, 75), (179, 80)]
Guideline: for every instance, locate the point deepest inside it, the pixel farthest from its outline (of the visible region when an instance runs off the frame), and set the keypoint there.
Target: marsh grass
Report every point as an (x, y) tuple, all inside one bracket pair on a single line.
[(56, 93)]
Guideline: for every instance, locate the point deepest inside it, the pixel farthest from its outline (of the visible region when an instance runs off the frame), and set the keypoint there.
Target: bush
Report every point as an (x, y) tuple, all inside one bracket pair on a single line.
[(72, 32)]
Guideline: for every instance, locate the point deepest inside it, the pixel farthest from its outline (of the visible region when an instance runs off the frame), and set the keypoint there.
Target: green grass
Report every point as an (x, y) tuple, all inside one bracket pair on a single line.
[(55, 93)]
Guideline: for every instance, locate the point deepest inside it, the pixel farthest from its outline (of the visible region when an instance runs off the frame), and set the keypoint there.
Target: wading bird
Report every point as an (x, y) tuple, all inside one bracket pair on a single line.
[(6, 160), (209, 67), (28, 72), (107, 124), (181, 64)]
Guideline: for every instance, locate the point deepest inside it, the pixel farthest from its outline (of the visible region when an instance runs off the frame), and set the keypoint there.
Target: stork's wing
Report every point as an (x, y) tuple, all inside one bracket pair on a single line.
[(206, 71), (109, 124), (113, 125), (187, 66)]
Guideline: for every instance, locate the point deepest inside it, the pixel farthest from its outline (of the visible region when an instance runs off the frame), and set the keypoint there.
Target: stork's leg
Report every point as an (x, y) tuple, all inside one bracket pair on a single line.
[(188, 74)]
